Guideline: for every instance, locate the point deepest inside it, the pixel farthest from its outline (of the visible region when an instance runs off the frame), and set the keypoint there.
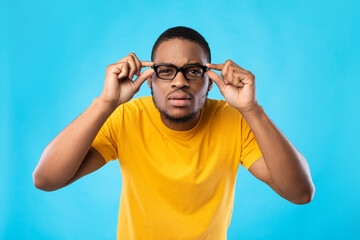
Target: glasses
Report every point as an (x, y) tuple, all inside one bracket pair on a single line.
[(168, 71)]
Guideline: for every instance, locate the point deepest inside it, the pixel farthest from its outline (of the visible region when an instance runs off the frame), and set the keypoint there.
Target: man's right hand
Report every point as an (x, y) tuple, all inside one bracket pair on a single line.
[(119, 86)]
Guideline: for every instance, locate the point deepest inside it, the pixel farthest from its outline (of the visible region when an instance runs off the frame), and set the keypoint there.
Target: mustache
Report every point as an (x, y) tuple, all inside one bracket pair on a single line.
[(180, 90)]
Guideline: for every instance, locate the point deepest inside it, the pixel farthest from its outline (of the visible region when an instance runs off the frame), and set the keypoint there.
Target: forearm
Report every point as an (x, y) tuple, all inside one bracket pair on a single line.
[(288, 168), (63, 156)]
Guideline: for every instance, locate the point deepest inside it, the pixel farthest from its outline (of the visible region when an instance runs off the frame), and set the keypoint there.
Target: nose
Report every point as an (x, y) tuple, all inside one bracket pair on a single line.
[(179, 81)]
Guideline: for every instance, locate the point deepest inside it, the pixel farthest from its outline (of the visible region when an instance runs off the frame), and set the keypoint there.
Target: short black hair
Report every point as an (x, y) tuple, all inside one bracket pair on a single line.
[(182, 33)]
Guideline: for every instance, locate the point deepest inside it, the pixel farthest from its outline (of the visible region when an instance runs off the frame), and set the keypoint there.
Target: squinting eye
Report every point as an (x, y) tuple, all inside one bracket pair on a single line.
[(164, 71), (194, 72)]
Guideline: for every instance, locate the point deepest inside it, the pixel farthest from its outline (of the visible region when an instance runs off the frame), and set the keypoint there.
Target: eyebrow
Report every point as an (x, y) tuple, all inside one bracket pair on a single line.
[(190, 63)]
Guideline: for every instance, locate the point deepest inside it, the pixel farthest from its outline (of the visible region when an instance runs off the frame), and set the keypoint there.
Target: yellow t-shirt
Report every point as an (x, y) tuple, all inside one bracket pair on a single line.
[(176, 184)]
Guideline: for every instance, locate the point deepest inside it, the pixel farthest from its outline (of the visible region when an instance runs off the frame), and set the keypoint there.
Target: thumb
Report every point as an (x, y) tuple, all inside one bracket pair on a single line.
[(142, 78), (216, 78)]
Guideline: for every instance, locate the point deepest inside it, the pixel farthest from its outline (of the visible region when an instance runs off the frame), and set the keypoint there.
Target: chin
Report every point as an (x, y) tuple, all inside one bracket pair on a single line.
[(179, 118), (174, 114)]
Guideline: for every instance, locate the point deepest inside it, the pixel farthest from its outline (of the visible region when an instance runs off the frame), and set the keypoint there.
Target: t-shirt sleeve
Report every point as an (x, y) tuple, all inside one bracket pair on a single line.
[(250, 151), (105, 141)]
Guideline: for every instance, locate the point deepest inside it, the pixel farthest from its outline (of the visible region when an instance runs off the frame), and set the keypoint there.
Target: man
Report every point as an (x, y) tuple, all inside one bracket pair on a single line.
[(178, 150)]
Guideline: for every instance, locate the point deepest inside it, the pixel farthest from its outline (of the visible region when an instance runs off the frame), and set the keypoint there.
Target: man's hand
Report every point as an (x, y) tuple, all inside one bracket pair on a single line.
[(119, 86), (70, 156), (282, 167), (237, 85)]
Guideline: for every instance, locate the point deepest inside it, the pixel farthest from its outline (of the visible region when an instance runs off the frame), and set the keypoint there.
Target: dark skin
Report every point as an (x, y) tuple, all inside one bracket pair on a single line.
[(180, 53), (282, 167)]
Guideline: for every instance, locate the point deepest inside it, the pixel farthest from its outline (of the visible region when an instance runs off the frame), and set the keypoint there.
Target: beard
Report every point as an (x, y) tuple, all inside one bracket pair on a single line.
[(177, 120)]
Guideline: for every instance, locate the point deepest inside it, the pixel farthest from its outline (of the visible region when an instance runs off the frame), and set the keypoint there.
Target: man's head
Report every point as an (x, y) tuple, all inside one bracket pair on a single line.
[(180, 100), (182, 33)]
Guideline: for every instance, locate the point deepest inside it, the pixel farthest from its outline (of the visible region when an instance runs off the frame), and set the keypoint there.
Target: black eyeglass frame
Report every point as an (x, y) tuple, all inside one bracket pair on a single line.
[(204, 68)]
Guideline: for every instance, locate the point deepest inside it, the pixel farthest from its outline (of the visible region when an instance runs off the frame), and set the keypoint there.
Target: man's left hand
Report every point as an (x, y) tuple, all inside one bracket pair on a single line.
[(237, 85)]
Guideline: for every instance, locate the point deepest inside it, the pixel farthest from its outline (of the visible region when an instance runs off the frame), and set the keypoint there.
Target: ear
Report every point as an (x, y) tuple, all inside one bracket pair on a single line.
[(149, 79), (210, 84)]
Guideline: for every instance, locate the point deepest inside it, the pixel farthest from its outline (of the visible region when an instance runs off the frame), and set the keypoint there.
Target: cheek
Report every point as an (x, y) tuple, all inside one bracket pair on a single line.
[(201, 99), (159, 90)]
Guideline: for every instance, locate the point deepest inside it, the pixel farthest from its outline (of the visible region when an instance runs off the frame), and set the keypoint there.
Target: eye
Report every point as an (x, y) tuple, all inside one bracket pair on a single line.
[(164, 71), (194, 71)]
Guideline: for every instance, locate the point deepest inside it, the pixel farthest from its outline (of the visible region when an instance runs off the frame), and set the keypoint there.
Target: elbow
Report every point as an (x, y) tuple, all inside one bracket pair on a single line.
[(41, 183), (306, 197)]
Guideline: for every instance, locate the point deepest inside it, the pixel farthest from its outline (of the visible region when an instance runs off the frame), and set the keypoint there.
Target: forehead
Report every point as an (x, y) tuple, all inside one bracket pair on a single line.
[(179, 52)]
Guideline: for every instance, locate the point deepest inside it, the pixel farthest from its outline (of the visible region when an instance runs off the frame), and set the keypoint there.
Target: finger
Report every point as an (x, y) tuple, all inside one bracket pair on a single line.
[(123, 69), (230, 77), (146, 63), (142, 78), (138, 64), (120, 69), (239, 77), (240, 70), (218, 67), (132, 64), (240, 83), (224, 73), (216, 78)]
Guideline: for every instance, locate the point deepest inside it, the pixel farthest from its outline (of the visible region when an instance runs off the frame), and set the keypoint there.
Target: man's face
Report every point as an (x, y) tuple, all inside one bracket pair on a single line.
[(179, 100)]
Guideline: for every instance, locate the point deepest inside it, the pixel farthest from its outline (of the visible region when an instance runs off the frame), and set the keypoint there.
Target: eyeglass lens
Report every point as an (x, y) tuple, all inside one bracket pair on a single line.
[(168, 72)]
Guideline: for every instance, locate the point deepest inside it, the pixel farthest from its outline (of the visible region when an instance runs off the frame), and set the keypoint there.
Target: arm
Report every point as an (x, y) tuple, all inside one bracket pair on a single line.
[(70, 155), (282, 167), (93, 161), (63, 156)]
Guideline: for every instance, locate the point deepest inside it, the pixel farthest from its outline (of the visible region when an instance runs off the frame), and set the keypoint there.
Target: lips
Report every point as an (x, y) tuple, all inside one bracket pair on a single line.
[(179, 99), (180, 96)]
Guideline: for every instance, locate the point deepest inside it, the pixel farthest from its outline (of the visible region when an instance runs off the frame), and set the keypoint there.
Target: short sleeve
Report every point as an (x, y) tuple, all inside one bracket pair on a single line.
[(250, 151), (105, 141)]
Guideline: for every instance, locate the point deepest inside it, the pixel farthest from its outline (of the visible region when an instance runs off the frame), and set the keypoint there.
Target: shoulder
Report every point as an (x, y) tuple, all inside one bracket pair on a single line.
[(136, 104), (222, 119), (220, 108), (136, 109)]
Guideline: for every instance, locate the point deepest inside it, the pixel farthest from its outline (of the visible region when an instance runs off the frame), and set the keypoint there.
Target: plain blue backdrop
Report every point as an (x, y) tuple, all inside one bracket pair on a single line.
[(304, 54)]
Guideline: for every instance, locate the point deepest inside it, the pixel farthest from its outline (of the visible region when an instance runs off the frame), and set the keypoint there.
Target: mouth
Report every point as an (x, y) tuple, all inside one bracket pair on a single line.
[(180, 102), (179, 99)]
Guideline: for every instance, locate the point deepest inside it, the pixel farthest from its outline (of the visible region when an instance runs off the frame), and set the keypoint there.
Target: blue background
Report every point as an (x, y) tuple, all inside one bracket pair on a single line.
[(304, 54)]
